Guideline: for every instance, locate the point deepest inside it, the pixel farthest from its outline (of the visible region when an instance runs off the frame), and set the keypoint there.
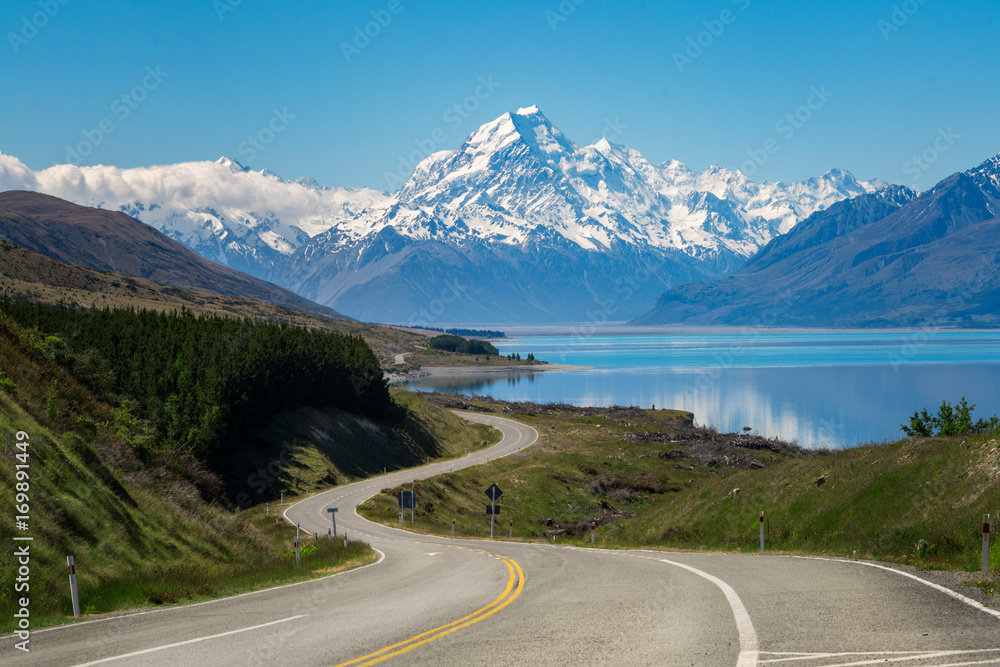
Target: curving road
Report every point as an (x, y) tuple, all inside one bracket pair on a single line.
[(434, 601)]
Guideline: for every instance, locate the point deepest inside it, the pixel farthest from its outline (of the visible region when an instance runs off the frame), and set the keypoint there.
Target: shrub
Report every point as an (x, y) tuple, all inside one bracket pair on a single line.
[(7, 385), (459, 344), (949, 420)]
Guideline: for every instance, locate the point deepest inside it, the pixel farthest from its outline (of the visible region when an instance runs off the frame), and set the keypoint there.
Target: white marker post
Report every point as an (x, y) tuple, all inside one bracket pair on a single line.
[(72, 586), (593, 531), (986, 544), (511, 536), (413, 507), (329, 535), (345, 540), (453, 528), (762, 532), (282, 498), (298, 561)]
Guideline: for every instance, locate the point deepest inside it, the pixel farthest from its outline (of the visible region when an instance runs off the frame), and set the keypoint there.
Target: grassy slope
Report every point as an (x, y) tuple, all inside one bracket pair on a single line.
[(919, 500), (28, 275), (311, 449), (137, 540), (139, 530)]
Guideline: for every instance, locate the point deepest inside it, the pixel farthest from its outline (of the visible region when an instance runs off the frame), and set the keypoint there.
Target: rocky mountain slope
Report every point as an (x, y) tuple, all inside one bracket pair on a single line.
[(112, 241), (518, 224), (890, 258)]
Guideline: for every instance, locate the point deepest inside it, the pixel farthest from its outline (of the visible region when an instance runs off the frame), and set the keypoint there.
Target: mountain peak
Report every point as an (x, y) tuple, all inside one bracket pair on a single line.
[(232, 164), (603, 145), (527, 126)]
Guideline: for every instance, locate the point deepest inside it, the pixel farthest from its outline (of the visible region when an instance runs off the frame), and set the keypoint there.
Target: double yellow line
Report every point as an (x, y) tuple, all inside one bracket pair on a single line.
[(515, 584)]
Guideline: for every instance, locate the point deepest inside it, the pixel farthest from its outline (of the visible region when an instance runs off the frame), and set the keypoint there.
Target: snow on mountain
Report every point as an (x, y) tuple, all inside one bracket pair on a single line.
[(222, 210), (519, 172), (516, 190), (892, 258), (519, 205)]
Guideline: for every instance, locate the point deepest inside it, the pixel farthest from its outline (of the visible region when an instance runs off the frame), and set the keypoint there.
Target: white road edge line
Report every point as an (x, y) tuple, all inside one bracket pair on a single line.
[(118, 617), (749, 647), (189, 641), (947, 591)]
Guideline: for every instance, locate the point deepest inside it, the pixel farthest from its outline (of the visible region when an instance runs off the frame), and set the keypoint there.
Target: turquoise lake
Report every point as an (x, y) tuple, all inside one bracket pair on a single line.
[(820, 389)]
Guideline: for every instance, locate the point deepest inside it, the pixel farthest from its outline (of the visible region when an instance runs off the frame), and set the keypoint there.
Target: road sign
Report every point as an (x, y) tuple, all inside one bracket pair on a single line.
[(333, 515), (406, 499), (493, 493)]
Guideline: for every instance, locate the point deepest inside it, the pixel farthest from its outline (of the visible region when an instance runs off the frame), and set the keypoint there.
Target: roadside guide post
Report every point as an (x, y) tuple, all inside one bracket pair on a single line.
[(333, 515), (986, 544), (593, 530), (71, 564), (511, 529), (406, 499), (453, 528), (762, 532), (413, 500), (298, 561), (493, 493)]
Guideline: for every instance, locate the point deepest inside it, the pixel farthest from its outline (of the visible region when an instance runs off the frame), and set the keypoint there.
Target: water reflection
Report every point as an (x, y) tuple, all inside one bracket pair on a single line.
[(817, 406)]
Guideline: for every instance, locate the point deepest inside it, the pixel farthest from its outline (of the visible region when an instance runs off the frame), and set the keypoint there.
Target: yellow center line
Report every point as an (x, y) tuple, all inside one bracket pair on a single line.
[(516, 575)]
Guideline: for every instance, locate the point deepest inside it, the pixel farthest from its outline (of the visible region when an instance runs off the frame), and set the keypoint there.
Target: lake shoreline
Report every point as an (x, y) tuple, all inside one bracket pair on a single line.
[(822, 391), (460, 371)]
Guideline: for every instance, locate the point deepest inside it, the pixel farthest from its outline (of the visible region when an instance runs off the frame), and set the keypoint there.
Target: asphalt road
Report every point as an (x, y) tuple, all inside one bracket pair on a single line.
[(434, 601)]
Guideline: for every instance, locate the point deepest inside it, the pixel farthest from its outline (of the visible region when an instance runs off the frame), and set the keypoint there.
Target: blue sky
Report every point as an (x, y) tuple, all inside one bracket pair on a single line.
[(784, 90)]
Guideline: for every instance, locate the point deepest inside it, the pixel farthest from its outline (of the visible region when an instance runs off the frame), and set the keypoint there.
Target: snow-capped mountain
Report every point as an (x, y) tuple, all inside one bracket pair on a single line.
[(222, 210), (891, 258), (517, 224), (543, 229)]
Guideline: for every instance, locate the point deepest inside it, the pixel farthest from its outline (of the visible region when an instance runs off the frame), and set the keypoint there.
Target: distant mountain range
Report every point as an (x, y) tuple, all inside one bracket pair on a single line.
[(112, 241), (889, 258), (519, 224)]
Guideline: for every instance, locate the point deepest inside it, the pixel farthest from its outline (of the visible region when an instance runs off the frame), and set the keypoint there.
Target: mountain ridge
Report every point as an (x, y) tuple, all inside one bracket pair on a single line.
[(113, 241), (892, 258), (512, 186)]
